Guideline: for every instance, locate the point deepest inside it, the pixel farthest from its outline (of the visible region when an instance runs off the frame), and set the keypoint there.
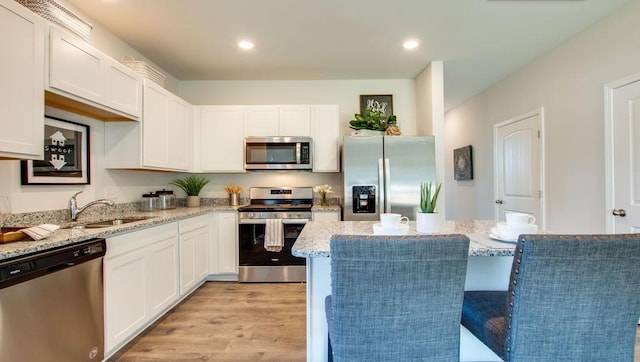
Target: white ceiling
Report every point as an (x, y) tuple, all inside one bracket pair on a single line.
[(479, 41)]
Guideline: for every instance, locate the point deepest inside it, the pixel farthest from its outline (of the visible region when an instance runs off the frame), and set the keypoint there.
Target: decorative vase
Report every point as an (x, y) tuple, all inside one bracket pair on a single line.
[(233, 199), (323, 200), (193, 201), (428, 223)]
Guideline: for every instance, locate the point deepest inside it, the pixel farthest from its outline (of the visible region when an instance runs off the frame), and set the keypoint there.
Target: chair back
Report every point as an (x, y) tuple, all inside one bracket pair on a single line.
[(573, 298), (397, 298)]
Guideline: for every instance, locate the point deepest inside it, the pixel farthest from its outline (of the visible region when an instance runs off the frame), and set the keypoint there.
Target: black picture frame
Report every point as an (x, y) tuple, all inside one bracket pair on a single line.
[(463, 163), (377, 102), (66, 156)]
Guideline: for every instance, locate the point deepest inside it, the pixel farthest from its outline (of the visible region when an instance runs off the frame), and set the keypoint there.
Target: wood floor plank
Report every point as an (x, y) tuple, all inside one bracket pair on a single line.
[(228, 321)]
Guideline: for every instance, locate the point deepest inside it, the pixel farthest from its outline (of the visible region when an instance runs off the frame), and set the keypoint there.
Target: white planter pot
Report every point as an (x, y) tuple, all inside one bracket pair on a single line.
[(193, 201), (428, 223)]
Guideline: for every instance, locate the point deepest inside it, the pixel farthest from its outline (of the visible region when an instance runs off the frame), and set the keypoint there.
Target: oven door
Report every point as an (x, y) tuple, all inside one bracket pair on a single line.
[(251, 243)]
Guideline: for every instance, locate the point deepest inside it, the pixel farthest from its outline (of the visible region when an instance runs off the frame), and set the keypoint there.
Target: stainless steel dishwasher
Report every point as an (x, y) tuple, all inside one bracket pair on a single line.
[(51, 306)]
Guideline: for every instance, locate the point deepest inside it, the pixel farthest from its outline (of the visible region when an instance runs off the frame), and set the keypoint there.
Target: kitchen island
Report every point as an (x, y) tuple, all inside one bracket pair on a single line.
[(488, 268)]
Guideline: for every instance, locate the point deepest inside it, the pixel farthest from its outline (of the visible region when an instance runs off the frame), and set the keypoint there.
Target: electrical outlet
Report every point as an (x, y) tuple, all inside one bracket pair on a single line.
[(111, 192)]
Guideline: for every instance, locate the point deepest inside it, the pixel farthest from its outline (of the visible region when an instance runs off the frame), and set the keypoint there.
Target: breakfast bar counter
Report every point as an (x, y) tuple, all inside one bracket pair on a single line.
[(488, 268)]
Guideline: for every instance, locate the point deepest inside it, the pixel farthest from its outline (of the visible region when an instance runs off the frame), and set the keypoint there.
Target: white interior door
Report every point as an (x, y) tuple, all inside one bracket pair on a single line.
[(518, 166), (623, 155)]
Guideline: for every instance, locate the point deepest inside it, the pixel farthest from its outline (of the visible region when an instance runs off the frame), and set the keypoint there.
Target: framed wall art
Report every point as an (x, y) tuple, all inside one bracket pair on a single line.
[(463, 163), (66, 155), (382, 103)]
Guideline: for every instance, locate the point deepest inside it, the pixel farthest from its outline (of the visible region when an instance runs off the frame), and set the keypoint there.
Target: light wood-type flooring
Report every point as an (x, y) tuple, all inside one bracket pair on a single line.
[(228, 322), (232, 322)]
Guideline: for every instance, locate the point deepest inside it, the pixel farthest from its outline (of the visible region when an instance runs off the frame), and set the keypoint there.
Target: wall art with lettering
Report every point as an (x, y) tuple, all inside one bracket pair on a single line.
[(66, 155)]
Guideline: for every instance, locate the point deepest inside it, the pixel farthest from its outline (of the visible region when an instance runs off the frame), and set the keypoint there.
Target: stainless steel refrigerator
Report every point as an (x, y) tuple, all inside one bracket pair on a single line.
[(383, 174)]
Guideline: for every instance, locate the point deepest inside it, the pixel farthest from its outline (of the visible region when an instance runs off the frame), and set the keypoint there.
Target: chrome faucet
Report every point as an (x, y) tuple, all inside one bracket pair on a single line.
[(73, 206)]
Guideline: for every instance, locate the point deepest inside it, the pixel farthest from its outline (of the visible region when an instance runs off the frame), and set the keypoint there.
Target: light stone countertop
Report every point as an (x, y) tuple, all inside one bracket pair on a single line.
[(66, 236), (313, 241)]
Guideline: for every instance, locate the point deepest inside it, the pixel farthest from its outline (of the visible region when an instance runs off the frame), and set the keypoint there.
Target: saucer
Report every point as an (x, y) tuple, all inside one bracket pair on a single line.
[(511, 238), (507, 229), (400, 229)]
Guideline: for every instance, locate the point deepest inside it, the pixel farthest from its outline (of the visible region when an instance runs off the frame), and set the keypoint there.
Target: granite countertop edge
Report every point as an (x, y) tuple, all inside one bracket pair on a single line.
[(313, 242), (67, 235)]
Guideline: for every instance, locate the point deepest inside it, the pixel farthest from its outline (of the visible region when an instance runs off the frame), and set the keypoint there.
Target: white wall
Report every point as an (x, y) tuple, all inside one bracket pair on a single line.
[(569, 83)]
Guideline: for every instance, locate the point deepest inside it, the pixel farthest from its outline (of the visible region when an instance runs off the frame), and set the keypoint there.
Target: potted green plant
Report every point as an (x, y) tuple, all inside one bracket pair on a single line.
[(191, 185), (428, 220), (371, 120)]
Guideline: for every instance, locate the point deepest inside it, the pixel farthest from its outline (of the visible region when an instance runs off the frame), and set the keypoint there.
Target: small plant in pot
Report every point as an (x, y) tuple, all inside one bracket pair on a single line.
[(191, 185), (428, 220), (371, 120)]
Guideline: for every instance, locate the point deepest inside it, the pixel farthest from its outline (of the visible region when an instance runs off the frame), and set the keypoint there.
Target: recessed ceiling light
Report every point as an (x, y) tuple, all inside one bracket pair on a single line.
[(410, 44), (245, 44)]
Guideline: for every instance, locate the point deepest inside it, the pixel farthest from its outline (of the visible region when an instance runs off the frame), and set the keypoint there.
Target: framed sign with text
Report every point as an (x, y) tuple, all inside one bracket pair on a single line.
[(382, 103), (66, 155)]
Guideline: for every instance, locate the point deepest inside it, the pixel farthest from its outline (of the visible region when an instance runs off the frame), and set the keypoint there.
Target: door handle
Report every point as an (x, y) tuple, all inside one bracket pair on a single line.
[(619, 212), (499, 202)]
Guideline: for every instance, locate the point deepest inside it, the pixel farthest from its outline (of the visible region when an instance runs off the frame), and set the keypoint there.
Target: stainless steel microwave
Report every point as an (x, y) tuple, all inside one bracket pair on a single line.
[(278, 153)]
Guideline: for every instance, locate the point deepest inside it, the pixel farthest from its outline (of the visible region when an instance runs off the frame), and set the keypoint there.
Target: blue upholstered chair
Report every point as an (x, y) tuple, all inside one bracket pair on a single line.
[(396, 298), (570, 298)]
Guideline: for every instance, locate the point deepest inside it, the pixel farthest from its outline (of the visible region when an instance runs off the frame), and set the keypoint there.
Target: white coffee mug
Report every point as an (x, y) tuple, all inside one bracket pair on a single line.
[(391, 220), (518, 218)]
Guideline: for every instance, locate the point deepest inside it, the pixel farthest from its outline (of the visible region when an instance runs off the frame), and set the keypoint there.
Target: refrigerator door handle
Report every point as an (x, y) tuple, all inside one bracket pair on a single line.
[(387, 185), (381, 186)]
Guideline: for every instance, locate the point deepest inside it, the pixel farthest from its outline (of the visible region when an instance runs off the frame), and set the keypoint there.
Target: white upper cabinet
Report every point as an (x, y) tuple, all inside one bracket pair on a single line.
[(261, 121), (266, 121), (22, 91), (326, 138), (80, 72), (221, 138), (162, 141), (295, 121)]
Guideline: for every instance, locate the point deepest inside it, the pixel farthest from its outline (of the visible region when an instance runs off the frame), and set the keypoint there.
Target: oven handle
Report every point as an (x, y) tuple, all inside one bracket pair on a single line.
[(264, 221)]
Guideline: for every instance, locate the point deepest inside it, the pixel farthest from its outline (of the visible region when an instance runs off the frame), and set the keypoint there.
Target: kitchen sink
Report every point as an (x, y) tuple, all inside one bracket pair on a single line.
[(108, 223)]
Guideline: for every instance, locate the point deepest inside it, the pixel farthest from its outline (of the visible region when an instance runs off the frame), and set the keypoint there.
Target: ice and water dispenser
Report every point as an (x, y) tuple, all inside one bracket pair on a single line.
[(364, 199)]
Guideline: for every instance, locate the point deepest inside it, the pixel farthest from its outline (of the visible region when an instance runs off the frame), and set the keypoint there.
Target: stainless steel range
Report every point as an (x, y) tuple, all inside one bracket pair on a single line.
[(267, 229)]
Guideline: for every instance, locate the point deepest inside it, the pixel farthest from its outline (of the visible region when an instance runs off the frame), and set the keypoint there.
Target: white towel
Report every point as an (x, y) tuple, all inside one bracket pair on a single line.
[(40, 231), (273, 238)]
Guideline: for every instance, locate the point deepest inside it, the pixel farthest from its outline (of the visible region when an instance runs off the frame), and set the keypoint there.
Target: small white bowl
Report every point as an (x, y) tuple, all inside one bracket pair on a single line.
[(399, 229)]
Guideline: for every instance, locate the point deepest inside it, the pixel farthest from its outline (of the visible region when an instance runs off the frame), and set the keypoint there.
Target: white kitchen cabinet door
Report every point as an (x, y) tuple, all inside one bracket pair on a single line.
[(295, 121), (165, 129), (261, 121), (75, 66), (155, 126), (224, 243), (163, 274), (194, 252), (326, 138), (22, 74), (124, 297), (123, 89), (222, 138), (179, 134)]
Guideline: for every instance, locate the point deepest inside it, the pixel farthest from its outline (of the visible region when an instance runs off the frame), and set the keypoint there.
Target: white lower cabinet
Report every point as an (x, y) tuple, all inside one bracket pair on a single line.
[(224, 244), (140, 281), (194, 252)]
